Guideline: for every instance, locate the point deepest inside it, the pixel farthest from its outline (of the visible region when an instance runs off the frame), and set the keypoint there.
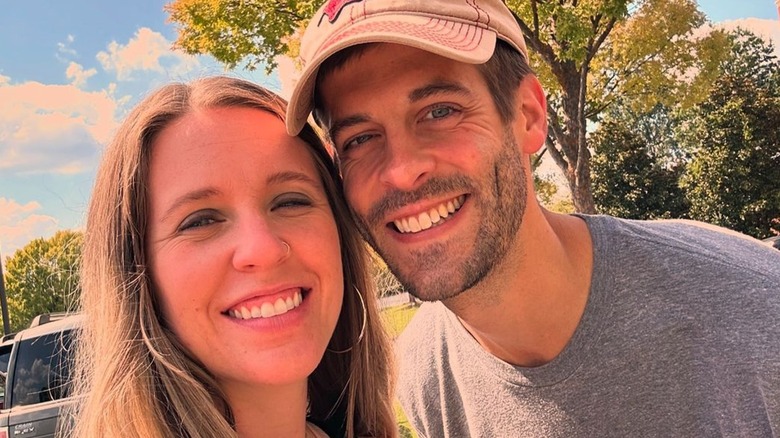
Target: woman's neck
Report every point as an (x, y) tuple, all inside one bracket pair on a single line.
[(269, 411)]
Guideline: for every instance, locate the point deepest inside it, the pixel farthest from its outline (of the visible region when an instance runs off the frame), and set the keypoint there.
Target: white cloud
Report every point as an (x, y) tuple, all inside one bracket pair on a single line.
[(77, 75), (65, 48), (19, 224), (146, 51), (55, 129), (4, 80), (769, 30)]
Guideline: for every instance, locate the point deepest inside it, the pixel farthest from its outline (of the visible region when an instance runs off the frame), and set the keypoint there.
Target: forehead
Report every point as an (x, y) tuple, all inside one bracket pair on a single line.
[(381, 66), (211, 140)]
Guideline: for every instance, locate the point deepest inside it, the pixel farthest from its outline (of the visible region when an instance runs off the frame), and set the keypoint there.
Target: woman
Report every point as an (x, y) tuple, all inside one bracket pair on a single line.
[(222, 277)]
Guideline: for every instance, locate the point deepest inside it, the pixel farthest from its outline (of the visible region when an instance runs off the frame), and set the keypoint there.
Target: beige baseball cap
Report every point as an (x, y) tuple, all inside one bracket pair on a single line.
[(462, 30)]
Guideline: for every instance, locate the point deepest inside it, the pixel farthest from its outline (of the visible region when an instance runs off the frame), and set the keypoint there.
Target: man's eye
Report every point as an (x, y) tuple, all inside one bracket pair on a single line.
[(356, 141), (439, 112)]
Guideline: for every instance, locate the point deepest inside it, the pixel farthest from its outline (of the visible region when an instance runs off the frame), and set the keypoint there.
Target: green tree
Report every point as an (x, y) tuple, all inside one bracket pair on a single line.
[(586, 52), (734, 140), (590, 53), (253, 32), (43, 277), (630, 180)]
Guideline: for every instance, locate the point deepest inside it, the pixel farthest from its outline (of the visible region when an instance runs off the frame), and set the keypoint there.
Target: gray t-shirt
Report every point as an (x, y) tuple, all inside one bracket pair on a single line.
[(680, 337)]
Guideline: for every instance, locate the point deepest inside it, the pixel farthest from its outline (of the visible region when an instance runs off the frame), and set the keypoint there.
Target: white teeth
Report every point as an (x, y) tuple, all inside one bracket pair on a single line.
[(443, 211), (434, 215), (426, 220), (267, 309), (414, 225), (280, 307)]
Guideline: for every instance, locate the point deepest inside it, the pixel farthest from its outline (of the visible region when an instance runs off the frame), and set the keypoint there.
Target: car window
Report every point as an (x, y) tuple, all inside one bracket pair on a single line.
[(42, 371), (5, 354)]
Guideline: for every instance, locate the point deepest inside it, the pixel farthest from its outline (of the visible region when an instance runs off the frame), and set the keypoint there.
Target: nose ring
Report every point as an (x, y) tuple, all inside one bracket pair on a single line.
[(286, 247)]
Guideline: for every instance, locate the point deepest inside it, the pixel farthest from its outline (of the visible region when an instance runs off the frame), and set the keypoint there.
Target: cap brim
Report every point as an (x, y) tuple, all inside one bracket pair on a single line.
[(458, 41)]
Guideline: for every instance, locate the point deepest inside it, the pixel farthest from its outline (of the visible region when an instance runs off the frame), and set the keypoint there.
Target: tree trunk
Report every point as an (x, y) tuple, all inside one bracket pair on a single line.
[(581, 193)]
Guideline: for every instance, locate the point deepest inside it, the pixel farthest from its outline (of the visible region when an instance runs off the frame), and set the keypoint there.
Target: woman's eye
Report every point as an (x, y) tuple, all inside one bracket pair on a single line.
[(198, 221), (291, 202)]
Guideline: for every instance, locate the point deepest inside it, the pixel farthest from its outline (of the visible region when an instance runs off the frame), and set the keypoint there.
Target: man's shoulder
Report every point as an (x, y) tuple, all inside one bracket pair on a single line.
[(688, 241), (423, 346), (428, 322)]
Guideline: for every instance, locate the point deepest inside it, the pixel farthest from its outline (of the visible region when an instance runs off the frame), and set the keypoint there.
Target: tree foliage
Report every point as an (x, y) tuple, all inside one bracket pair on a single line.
[(253, 32), (586, 52), (43, 277), (734, 141), (630, 180), (590, 53)]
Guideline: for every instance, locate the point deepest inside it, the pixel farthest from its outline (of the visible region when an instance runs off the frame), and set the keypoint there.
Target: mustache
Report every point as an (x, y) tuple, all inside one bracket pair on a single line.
[(437, 186)]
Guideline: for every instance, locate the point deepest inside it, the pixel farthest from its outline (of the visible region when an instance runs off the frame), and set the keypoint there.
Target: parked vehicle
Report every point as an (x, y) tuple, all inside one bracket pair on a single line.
[(37, 385), (6, 344)]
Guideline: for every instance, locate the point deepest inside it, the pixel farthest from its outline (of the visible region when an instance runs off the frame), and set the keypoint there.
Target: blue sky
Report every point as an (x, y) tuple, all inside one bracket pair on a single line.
[(70, 70)]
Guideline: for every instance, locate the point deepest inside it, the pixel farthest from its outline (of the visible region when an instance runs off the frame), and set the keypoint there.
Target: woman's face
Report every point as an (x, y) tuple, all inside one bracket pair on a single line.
[(228, 192)]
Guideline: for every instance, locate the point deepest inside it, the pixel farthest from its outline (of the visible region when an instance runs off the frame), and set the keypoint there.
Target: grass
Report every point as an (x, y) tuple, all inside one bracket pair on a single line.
[(395, 319)]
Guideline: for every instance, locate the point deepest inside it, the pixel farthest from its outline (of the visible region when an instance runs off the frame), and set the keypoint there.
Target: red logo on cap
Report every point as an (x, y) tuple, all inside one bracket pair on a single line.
[(333, 9)]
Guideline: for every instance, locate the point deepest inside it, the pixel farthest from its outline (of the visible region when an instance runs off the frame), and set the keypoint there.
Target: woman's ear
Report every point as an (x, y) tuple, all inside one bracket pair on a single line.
[(531, 120)]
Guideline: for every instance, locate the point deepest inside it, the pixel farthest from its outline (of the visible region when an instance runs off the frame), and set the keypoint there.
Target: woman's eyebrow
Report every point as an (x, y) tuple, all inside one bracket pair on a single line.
[(288, 176), (195, 195)]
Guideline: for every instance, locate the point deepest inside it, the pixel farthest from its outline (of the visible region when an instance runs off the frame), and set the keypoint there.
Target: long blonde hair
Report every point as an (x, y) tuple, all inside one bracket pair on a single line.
[(133, 376)]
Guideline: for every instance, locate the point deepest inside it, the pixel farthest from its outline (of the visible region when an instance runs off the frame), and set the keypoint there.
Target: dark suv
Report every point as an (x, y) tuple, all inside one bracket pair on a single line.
[(38, 379)]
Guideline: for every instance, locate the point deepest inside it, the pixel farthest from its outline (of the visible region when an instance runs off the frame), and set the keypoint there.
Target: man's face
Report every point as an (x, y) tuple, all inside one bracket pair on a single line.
[(435, 179)]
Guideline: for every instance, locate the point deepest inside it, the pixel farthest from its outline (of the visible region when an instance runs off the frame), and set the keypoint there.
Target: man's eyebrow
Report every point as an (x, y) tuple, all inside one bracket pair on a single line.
[(441, 87), (338, 125)]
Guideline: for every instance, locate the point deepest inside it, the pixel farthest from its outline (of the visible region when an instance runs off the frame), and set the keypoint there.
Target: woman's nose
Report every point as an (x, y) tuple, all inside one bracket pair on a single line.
[(258, 245)]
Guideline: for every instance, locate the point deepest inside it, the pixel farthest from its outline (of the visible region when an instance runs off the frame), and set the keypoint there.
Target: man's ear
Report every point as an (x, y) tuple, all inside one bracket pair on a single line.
[(531, 121)]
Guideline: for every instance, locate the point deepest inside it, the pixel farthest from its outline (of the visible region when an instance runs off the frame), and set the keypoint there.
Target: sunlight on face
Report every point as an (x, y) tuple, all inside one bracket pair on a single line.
[(228, 192)]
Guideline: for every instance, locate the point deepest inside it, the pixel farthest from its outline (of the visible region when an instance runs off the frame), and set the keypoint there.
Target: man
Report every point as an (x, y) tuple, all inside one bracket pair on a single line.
[(542, 324)]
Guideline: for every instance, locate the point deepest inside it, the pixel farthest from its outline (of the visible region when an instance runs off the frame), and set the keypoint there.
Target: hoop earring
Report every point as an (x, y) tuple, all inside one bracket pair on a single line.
[(362, 328)]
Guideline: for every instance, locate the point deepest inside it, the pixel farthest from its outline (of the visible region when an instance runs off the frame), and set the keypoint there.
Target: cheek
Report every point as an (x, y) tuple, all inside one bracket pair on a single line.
[(172, 275), (357, 192)]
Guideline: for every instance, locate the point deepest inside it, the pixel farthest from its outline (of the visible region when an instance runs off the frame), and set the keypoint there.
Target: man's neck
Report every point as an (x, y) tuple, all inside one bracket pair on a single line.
[(528, 308)]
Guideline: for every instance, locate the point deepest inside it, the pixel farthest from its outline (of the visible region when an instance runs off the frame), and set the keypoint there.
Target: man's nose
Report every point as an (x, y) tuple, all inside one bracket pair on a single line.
[(407, 163)]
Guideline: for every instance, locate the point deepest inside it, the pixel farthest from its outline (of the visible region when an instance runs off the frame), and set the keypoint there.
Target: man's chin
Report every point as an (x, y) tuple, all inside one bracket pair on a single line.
[(429, 289)]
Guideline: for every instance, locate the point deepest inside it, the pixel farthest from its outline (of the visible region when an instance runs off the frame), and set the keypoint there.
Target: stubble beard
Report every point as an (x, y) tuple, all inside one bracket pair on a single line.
[(435, 273)]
